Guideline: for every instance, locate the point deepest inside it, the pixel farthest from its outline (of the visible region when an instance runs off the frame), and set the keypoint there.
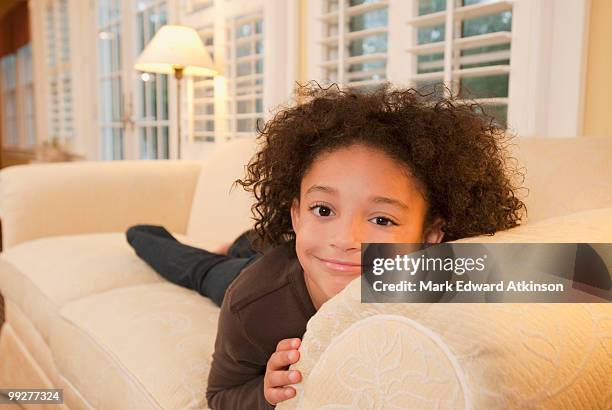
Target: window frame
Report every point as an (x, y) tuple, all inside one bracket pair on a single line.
[(193, 6), (255, 91), (58, 58), (452, 74), (5, 90), (152, 128), (280, 68), (82, 59), (342, 16), (196, 135), (541, 101)]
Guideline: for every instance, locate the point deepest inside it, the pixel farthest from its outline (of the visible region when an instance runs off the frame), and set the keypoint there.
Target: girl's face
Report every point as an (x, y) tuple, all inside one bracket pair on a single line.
[(349, 196)]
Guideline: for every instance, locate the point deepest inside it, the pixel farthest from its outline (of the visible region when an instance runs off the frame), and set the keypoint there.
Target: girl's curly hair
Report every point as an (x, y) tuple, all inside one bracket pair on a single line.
[(457, 153)]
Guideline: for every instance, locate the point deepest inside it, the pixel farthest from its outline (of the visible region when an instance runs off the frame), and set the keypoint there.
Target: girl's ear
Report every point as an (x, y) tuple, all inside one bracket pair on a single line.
[(295, 214), (433, 233)]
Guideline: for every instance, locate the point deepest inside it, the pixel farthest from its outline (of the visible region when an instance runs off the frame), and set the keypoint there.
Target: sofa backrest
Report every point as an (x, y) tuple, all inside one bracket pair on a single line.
[(565, 175), (220, 212)]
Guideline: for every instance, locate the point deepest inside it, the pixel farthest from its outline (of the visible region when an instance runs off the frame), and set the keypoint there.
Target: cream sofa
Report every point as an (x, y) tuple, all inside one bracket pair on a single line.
[(86, 315)]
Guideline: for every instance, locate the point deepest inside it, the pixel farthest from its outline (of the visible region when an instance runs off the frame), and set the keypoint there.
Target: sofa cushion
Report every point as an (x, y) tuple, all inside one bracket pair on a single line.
[(138, 347), (42, 275), (220, 213)]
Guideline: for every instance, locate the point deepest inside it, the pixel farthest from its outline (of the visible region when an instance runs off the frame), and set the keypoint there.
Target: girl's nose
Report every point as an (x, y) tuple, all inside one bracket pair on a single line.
[(348, 236)]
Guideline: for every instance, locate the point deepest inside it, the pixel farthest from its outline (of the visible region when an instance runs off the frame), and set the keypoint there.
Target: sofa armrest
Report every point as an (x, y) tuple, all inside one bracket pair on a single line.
[(454, 355), (39, 200)]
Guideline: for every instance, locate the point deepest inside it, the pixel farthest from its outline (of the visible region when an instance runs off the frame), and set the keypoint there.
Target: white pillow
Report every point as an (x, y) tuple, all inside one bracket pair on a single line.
[(218, 215)]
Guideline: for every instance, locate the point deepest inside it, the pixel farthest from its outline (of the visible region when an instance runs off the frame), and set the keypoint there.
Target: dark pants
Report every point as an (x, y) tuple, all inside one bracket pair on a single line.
[(206, 272)]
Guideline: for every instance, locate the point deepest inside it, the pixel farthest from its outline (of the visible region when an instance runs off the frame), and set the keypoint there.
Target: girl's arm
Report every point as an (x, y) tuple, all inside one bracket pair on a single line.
[(237, 371)]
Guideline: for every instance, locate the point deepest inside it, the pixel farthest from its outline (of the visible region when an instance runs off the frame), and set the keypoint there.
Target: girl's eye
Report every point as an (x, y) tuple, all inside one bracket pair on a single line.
[(381, 220), (322, 210)]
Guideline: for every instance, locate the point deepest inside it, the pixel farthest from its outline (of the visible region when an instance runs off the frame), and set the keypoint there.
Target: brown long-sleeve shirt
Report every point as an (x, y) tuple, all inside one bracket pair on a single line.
[(266, 303)]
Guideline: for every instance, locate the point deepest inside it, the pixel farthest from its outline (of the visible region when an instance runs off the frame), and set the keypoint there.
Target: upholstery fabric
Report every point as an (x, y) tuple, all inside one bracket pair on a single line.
[(30, 340), (221, 213), (42, 275), (85, 314), (40, 200), (138, 347), (449, 356), (594, 225), (20, 368), (565, 175)]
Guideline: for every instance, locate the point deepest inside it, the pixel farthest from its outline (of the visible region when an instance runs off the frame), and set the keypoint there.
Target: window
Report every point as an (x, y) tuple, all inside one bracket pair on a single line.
[(133, 109), (152, 120), (24, 64), (355, 42), (197, 5), (18, 98), (245, 74), (467, 48), (57, 32), (204, 96), (109, 80), (363, 43), (9, 98)]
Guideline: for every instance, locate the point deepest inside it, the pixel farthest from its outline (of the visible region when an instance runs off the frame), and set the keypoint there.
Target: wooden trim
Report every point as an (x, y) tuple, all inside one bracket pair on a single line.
[(14, 27), (2, 317), (16, 156)]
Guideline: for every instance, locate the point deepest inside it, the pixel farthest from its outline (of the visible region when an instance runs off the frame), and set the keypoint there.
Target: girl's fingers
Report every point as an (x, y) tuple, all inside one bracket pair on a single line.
[(280, 378), (282, 359), (277, 378), (288, 344), (275, 395)]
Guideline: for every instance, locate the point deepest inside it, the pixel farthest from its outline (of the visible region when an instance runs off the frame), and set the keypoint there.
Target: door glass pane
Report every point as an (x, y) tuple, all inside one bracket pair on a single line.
[(152, 89), (57, 49), (142, 143), (107, 143), (110, 92), (163, 95), (153, 141), (165, 142)]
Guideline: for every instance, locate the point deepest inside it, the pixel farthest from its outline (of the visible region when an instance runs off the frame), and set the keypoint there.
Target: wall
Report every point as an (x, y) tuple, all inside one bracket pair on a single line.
[(303, 41), (598, 90)]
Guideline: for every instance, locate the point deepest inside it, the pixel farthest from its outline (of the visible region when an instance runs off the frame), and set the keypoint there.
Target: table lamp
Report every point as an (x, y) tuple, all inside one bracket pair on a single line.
[(176, 50)]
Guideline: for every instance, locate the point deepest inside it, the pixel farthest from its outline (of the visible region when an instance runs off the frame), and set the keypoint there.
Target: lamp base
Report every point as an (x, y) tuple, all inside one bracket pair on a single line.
[(178, 74)]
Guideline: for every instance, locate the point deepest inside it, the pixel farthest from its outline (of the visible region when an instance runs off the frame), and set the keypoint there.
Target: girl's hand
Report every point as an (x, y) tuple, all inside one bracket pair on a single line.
[(278, 378)]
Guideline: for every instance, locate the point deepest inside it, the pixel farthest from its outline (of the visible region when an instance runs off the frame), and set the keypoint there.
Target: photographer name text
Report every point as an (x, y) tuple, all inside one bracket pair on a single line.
[(466, 286)]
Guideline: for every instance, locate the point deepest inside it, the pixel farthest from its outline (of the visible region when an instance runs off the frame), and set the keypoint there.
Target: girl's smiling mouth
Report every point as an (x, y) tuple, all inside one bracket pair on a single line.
[(340, 265)]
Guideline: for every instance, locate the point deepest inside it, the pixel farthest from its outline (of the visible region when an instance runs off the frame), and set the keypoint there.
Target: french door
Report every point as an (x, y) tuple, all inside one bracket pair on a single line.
[(133, 107)]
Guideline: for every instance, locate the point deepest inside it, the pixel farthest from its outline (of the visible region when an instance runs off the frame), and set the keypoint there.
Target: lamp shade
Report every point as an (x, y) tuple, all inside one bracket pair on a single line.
[(176, 47)]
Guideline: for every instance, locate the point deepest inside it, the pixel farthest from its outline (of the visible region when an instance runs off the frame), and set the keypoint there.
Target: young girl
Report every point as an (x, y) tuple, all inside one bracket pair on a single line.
[(338, 170)]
